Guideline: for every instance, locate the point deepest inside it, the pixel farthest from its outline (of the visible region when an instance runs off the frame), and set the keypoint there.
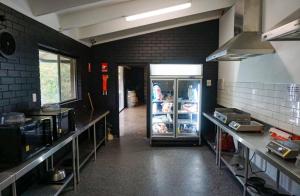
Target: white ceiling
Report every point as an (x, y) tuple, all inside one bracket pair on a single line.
[(101, 21)]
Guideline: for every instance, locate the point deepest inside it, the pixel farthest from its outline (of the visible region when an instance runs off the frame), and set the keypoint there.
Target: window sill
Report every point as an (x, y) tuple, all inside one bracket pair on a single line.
[(70, 101)]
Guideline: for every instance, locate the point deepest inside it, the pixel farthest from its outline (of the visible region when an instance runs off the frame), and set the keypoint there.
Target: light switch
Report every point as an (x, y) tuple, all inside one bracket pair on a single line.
[(208, 82), (33, 97)]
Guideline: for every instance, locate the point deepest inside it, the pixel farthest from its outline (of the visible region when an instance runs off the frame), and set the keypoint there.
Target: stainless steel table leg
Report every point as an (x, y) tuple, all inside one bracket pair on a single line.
[(51, 162), (246, 169), (47, 165), (278, 179), (74, 164), (95, 143), (105, 130), (89, 134), (77, 159), (220, 147), (217, 145), (14, 189), (0, 193)]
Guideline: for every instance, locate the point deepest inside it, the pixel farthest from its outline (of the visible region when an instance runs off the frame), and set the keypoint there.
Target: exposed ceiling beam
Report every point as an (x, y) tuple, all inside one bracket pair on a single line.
[(96, 14), (120, 24), (42, 7), (178, 22)]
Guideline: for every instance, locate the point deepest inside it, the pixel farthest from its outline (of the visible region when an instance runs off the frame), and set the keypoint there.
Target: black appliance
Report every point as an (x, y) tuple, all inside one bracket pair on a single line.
[(226, 115), (63, 120), (21, 141)]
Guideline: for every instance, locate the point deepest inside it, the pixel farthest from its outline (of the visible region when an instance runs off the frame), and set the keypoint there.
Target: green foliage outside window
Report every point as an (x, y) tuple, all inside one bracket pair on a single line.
[(57, 78)]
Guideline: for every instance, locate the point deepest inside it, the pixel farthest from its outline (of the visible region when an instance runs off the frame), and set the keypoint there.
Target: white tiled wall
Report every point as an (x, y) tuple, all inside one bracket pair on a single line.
[(275, 104)]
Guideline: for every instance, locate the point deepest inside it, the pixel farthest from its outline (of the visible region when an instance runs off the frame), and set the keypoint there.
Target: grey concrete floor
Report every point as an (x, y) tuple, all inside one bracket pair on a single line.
[(129, 166)]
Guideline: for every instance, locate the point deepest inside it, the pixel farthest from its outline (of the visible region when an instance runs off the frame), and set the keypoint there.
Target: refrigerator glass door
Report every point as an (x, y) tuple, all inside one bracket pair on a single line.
[(188, 107), (162, 111)]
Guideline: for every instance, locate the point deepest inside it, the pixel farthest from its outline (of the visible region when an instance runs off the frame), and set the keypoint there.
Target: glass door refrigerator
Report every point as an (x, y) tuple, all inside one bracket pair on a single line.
[(188, 108), (175, 103), (163, 108)]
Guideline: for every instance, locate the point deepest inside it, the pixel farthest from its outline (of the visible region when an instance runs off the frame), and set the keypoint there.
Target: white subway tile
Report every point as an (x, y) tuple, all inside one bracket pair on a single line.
[(285, 126), (281, 87), (296, 130), (269, 86)]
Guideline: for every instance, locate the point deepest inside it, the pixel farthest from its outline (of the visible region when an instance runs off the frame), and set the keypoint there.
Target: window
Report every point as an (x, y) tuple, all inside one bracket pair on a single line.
[(57, 78)]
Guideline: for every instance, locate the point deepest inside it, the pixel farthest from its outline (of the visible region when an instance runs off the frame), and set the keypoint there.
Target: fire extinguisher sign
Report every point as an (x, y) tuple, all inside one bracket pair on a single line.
[(104, 67), (104, 70)]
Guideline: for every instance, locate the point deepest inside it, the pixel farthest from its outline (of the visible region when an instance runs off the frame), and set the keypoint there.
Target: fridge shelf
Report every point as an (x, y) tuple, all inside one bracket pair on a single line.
[(163, 101), (186, 112), (161, 113), (170, 134), (184, 121), (162, 122), (187, 135), (187, 101)]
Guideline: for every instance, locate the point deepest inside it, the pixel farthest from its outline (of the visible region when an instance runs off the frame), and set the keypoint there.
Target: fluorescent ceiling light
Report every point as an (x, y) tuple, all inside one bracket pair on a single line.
[(159, 12)]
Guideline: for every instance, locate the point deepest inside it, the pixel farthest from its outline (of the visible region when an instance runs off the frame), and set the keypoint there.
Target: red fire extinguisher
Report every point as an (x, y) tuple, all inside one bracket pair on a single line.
[(89, 67), (104, 84)]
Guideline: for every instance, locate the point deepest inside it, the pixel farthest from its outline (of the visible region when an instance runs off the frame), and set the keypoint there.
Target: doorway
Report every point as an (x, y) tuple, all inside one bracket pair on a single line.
[(133, 82)]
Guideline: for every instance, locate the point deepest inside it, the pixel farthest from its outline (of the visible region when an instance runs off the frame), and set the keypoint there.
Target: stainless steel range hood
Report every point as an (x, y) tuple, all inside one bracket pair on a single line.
[(286, 30), (247, 30)]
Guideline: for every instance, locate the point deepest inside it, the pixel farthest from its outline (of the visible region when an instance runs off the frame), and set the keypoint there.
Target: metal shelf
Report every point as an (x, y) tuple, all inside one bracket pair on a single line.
[(48, 189), (212, 145), (256, 142), (100, 142), (86, 151), (9, 177), (27, 166), (227, 158)]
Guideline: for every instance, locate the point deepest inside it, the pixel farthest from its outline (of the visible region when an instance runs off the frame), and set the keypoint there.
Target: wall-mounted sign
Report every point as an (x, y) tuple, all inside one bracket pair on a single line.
[(104, 67)]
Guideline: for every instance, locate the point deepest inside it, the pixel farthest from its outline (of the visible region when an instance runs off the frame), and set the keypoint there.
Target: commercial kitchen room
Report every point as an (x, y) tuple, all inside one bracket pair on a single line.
[(149, 98)]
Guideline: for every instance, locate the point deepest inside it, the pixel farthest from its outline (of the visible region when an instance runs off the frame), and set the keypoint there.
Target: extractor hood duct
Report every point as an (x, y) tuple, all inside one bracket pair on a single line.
[(247, 30), (287, 30)]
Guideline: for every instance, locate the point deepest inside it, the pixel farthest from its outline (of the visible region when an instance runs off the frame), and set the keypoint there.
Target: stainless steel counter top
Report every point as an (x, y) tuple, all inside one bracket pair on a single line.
[(9, 176), (25, 167), (257, 142), (85, 119), (6, 179)]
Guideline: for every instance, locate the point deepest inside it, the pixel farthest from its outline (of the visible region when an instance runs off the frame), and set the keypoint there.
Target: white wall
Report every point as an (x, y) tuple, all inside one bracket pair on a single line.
[(121, 87), (262, 85), (281, 67)]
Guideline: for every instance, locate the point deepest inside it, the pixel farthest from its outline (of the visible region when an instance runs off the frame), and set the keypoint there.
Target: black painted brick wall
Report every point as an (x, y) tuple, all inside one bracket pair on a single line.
[(19, 74), (188, 44)]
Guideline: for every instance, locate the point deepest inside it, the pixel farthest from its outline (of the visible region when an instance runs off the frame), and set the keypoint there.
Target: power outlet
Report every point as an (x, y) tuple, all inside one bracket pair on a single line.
[(208, 82), (34, 97)]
